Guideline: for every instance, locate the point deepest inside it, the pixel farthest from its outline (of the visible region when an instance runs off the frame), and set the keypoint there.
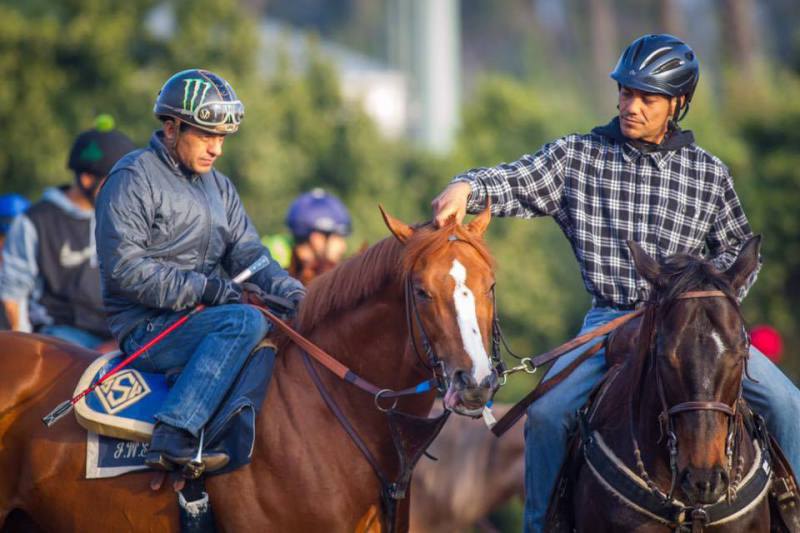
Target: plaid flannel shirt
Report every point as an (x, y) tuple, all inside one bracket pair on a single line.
[(602, 192)]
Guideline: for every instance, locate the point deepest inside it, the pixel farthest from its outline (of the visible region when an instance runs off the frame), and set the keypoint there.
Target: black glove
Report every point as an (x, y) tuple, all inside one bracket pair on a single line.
[(296, 296), (220, 291)]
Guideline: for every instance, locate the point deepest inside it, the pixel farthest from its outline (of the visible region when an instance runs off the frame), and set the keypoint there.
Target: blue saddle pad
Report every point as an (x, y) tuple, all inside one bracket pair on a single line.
[(124, 405)]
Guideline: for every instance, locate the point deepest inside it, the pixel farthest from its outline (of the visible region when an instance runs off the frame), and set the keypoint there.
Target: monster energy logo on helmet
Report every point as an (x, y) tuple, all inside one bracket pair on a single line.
[(191, 89), (202, 99)]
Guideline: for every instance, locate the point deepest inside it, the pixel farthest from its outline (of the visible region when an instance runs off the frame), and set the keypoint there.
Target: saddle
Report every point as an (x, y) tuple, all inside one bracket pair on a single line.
[(784, 498), (123, 407)]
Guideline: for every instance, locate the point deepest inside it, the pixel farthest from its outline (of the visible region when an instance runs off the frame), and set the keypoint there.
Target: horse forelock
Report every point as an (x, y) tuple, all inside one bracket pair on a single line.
[(683, 273), (428, 240)]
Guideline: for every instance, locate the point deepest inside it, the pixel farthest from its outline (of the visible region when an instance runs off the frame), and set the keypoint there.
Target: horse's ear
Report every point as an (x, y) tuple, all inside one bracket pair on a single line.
[(399, 229), (645, 265), (479, 224), (746, 263)]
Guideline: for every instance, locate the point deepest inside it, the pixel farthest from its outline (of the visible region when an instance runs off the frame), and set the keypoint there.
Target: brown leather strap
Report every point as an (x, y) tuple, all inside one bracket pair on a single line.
[(328, 361), (701, 406), (516, 412), (340, 370), (701, 294), (580, 340)]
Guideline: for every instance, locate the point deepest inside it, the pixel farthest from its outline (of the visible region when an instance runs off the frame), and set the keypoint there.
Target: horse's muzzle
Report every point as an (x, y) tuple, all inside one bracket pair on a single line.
[(704, 486), (467, 397)]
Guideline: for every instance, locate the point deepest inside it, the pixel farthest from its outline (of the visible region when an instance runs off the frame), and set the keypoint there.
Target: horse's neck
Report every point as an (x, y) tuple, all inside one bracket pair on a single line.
[(371, 339)]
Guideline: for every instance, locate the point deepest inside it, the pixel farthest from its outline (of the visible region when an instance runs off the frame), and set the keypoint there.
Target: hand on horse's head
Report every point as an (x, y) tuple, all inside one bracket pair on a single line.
[(451, 202)]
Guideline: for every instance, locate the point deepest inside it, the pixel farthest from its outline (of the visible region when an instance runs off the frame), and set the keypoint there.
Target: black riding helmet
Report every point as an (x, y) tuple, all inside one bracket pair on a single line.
[(202, 99), (660, 64)]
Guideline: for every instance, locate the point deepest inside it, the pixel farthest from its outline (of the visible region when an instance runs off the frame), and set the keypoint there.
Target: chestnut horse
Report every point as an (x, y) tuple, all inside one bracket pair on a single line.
[(305, 474), (673, 414)]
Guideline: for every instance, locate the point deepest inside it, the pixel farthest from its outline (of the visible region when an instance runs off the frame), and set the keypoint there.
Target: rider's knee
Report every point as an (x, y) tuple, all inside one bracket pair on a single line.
[(250, 319), (545, 419)]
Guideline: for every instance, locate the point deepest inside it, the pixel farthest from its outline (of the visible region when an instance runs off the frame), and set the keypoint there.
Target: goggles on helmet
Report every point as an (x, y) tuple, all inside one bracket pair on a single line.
[(219, 113)]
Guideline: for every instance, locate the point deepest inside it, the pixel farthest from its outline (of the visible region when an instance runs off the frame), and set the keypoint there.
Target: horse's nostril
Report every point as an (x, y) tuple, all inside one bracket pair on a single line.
[(464, 380)]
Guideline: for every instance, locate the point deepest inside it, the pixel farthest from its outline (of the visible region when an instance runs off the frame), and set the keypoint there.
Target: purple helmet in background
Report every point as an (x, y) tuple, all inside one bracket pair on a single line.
[(320, 211), (11, 205)]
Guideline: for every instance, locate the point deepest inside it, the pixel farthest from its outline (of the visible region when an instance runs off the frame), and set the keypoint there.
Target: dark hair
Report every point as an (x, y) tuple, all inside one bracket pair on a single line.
[(183, 127)]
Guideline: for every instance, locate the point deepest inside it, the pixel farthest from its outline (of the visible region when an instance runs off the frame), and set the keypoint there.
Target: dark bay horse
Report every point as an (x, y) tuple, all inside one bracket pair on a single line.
[(667, 431), (306, 474)]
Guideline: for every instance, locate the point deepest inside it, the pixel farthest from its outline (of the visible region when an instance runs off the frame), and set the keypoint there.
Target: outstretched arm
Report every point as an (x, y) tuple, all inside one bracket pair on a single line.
[(531, 186)]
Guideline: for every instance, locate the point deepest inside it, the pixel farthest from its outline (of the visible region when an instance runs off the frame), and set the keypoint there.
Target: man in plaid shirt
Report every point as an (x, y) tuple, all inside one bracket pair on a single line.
[(642, 178)]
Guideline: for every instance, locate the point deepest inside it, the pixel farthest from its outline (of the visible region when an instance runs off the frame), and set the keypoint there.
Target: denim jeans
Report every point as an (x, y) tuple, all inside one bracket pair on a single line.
[(212, 347), (552, 417), (73, 335)]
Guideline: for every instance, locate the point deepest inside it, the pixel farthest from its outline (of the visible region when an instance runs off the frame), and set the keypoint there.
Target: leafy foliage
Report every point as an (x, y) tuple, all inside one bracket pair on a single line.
[(65, 62)]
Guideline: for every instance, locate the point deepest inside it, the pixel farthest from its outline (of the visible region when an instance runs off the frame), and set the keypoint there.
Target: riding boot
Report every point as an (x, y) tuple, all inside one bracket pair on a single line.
[(171, 447)]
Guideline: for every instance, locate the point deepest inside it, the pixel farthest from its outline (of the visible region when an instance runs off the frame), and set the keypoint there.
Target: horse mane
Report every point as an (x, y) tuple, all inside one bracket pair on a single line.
[(364, 274), (351, 282)]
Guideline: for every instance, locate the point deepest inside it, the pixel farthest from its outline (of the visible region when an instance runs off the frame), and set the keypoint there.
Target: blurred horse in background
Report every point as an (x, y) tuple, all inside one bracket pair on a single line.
[(475, 474)]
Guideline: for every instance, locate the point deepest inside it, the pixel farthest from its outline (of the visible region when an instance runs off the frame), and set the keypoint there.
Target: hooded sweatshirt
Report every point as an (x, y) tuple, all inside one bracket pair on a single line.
[(50, 263)]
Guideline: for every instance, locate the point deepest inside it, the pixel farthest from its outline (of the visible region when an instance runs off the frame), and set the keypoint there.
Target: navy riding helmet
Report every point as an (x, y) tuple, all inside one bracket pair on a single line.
[(660, 64), (202, 99), (317, 210)]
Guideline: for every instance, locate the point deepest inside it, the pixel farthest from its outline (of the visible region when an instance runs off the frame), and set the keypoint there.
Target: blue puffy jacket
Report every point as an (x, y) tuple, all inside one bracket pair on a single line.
[(162, 232)]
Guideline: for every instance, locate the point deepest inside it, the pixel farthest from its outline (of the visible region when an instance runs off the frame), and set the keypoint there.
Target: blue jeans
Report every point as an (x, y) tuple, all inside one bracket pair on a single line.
[(551, 418), (73, 335), (212, 347)]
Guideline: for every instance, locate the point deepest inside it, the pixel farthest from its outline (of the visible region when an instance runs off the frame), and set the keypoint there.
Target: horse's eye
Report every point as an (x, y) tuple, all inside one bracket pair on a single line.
[(491, 289), (420, 292)]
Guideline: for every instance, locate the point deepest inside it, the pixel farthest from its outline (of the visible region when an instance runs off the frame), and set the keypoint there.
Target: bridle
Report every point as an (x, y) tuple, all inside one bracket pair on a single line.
[(427, 355), (668, 412)]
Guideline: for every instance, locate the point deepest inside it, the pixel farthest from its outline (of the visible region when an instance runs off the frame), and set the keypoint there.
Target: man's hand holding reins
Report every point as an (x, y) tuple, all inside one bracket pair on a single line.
[(451, 202)]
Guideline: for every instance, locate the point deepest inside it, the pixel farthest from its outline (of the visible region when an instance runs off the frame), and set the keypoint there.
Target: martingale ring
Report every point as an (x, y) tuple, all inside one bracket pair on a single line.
[(378, 401)]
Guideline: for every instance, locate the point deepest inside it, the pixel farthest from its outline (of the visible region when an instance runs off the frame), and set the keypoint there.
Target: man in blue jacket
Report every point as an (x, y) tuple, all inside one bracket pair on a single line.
[(171, 233)]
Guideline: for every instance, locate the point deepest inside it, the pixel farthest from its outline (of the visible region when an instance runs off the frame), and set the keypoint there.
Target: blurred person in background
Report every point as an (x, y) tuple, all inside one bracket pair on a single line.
[(319, 223), (49, 259), (11, 205), (640, 177), (171, 234)]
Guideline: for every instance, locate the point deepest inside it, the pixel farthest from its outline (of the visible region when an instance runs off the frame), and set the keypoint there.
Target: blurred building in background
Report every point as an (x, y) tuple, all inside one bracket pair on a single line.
[(416, 93)]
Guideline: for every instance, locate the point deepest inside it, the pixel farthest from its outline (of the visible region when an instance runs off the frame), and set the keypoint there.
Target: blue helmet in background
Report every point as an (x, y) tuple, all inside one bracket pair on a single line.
[(660, 64), (11, 205), (320, 211)]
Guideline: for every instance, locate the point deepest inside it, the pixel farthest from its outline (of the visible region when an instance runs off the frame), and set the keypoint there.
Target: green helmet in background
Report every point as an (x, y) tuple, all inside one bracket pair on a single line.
[(202, 99)]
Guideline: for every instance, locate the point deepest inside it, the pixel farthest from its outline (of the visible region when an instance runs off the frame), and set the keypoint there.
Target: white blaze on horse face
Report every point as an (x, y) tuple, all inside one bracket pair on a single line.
[(467, 319), (715, 336)]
